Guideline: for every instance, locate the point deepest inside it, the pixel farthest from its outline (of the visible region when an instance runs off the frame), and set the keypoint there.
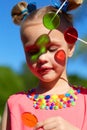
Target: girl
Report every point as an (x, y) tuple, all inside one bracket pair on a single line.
[(54, 104)]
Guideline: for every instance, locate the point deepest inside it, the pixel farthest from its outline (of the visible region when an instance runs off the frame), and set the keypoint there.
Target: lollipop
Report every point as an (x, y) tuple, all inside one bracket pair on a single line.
[(29, 119), (51, 20), (71, 35)]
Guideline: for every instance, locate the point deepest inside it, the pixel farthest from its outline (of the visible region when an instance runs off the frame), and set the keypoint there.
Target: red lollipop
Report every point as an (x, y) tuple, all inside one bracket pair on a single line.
[(71, 35)]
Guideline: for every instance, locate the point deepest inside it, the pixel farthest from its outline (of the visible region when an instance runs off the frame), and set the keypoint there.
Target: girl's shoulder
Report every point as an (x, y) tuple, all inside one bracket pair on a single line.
[(82, 90), (15, 98)]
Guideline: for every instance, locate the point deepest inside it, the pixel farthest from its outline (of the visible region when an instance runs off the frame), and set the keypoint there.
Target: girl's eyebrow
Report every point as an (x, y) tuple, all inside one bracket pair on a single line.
[(30, 47), (53, 44)]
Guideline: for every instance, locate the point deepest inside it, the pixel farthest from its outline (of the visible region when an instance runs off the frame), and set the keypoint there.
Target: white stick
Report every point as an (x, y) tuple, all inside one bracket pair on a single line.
[(77, 38), (61, 7), (58, 10)]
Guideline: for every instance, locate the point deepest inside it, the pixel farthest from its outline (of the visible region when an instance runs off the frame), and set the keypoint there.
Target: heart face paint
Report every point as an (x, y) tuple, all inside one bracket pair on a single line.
[(60, 57)]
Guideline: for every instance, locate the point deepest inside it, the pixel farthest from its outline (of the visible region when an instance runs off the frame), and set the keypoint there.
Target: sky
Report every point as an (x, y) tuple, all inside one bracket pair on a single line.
[(11, 50)]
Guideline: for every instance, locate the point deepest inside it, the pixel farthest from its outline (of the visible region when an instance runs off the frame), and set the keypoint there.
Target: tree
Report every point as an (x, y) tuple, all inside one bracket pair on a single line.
[(10, 83)]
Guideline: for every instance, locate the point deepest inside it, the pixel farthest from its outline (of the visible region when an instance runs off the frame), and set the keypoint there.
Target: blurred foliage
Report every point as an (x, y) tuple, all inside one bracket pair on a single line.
[(28, 78), (75, 80), (12, 82)]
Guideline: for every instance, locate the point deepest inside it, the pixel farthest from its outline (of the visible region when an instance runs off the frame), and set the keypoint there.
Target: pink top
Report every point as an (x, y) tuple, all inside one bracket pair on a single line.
[(20, 103)]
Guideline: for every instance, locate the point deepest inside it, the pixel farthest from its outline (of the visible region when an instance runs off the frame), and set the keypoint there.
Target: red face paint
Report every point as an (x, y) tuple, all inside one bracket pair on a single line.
[(71, 35), (60, 57)]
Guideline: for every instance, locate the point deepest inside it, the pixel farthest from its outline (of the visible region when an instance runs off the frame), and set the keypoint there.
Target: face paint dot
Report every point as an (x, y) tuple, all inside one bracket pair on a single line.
[(71, 35), (29, 119), (60, 56), (43, 40), (51, 20)]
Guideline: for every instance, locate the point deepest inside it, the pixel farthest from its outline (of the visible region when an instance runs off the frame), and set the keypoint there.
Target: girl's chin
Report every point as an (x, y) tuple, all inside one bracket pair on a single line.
[(47, 79)]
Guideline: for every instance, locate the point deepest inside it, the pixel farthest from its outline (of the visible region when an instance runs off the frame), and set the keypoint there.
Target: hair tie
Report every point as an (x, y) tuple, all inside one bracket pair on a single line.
[(57, 4), (30, 8)]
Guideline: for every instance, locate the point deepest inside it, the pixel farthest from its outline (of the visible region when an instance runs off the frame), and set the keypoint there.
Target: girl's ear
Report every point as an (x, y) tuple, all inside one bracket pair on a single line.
[(71, 48)]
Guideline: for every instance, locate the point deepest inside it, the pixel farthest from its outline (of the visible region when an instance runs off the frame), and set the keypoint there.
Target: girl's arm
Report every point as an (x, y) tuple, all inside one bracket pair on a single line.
[(6, 119)]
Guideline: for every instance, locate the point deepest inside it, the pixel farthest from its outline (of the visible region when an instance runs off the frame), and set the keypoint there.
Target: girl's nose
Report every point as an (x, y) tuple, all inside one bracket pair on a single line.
[(42, 59)]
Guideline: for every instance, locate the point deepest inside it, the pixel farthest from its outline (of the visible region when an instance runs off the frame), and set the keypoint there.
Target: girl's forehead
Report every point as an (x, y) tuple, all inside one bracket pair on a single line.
[(31, 33)]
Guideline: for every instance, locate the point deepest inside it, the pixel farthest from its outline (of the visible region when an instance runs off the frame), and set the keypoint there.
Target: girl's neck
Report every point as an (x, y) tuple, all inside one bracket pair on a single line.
[(59, 86)]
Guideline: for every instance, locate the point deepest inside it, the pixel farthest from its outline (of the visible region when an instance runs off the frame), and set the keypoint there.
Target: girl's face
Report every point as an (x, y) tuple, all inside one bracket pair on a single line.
[(51, 64)]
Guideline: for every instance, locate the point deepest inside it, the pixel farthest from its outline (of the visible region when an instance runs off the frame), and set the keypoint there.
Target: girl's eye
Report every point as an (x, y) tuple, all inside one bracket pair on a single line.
[(32, 52), (52, 48)]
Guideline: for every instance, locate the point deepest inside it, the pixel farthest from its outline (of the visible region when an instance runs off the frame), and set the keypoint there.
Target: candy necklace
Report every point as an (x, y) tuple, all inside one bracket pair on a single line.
[(53, 102)]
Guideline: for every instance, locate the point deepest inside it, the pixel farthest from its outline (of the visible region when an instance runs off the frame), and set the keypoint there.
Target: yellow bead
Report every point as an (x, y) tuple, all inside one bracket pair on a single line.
[(65, 99), (54, 96)]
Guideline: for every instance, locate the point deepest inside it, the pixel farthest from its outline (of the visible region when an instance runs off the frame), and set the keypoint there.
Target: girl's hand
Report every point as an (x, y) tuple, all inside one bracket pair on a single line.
[(55, 123)]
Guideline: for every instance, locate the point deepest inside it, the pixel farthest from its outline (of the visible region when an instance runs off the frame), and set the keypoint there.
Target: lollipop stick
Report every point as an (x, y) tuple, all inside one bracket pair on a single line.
[(59, 9), (77, 38)]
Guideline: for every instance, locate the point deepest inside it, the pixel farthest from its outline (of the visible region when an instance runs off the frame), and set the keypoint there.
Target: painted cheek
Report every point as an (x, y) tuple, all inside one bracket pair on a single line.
[(60, 57)]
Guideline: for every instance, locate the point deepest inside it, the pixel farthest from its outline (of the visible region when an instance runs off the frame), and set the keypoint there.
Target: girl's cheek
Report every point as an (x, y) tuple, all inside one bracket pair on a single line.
[(60, 57)]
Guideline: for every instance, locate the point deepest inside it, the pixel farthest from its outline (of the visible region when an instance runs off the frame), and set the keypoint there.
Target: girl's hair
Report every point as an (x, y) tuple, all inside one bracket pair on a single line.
[(18, 16)]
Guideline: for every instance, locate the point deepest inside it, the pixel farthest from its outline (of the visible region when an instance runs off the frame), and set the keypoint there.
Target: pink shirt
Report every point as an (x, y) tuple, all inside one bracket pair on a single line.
[(20, 103)]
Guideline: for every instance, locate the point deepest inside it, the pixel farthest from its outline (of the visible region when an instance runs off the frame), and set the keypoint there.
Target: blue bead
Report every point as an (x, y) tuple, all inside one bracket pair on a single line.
[(36, 96), (47, 107), (67, 95), (78, 90), (64, 106), (47, 97), (51, 107)]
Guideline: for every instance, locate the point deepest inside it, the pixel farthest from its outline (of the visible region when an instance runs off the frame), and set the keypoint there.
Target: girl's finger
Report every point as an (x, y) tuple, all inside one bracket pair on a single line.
[(39, 125)]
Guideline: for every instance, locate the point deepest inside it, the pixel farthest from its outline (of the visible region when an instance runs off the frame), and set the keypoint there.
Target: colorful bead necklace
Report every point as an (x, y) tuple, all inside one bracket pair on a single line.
[(53, 102)]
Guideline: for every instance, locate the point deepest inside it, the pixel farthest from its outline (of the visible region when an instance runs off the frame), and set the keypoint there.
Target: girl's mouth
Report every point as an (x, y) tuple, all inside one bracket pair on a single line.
[(44, 70)]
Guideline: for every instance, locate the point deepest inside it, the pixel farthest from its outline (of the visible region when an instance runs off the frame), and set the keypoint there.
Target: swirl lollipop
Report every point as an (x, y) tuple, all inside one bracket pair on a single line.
[(29, 119)]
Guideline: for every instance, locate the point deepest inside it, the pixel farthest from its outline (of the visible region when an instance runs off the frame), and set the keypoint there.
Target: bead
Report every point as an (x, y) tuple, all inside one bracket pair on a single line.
[(53, 101), (67, 94), (47, 97), (43, 106), (47, 107), (55, 107), (78, 90), (40, 96), (73, 103), (54, 96), (64, 105), (51, 107)]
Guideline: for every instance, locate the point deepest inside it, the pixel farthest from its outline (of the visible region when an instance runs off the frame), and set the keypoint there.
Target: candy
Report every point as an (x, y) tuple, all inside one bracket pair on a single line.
[(51, 20), (71, 35), (29, 119)]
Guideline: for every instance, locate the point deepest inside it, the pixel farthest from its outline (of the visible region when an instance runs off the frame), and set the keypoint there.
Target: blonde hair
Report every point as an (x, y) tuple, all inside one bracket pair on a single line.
[(18, 16)]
